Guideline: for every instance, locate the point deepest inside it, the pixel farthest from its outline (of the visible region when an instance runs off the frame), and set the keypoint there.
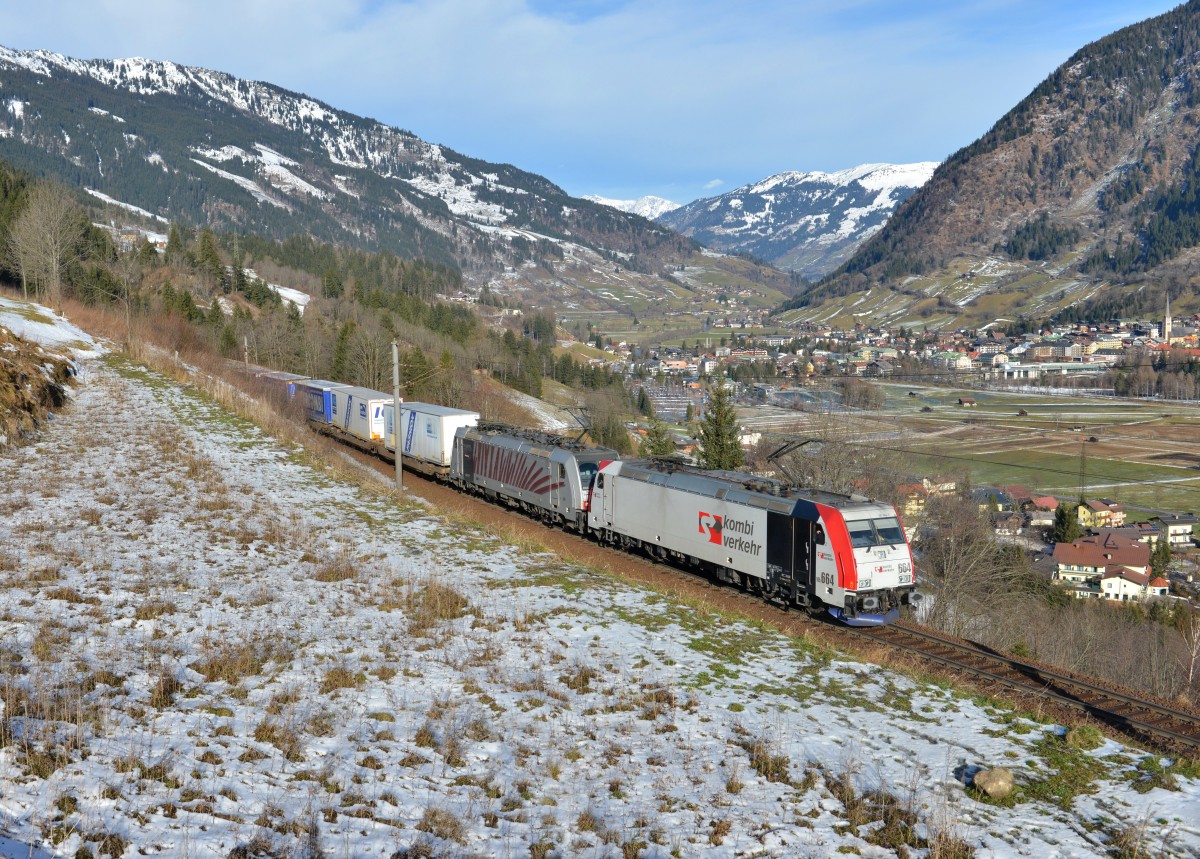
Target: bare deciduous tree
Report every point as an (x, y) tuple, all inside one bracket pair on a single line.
[(1189, 632), (44, 238), (965, 563)]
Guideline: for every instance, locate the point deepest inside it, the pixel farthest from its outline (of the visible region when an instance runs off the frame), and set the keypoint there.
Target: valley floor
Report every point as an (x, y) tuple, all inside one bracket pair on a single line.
[(207, 642)]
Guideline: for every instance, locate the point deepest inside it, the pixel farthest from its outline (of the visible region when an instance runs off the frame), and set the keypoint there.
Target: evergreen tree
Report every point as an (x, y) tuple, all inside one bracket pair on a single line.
[(340, 366), (1066, 523), (643, 403), (719, 443), (1160, 557), (331, 284), (659, 441)]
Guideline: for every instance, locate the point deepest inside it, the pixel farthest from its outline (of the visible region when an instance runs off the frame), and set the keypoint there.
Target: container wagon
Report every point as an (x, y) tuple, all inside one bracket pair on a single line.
[(317, 400), (358, 412), (426, 434), (277, 380)]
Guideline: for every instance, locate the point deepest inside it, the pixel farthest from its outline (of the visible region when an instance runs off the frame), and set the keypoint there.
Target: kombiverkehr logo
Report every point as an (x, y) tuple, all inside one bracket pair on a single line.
[(734, 534), (713, 526)]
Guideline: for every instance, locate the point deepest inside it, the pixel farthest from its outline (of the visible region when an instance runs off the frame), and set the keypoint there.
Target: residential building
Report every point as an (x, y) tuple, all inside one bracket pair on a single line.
[(1106, 566), (1178, 528), (913, 497)]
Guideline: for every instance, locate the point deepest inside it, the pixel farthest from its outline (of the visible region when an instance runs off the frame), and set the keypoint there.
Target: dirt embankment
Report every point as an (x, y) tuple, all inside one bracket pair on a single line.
[(33, 383)]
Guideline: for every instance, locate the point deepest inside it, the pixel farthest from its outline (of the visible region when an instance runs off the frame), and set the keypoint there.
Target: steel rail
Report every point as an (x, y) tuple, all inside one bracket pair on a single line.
[(1101, 702)]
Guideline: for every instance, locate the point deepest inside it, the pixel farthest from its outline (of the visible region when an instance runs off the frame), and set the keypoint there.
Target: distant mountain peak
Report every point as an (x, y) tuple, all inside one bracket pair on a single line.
[(647, 207), (807, 222)]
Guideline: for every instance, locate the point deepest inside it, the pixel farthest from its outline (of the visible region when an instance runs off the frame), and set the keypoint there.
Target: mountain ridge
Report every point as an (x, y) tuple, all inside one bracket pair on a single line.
[(210, 149), (807, 222)]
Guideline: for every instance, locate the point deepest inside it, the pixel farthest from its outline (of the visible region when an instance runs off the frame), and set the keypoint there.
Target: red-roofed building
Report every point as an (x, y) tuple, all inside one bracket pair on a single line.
[(914, 496), (1101, 513), (1106, 566)]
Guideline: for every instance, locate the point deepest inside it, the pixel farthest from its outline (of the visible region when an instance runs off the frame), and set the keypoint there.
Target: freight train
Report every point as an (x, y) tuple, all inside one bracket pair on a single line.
[(820, 551)]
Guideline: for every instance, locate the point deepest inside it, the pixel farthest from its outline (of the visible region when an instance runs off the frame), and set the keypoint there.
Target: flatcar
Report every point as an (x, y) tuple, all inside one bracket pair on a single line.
[(544, 475), (818, 550)]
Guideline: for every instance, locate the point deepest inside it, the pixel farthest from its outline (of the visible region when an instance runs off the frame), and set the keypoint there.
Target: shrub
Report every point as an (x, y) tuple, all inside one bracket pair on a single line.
[(444, 824)]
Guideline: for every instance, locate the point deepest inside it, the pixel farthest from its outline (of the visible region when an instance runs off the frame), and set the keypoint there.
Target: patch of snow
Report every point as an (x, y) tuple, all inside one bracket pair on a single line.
[(647, 207), (114, 202), (255, 191), (42, 325), (103, 112)]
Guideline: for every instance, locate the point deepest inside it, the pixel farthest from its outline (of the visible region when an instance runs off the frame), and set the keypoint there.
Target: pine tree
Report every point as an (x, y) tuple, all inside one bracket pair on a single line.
[(659, 441), (340, 367), (1066, 523), (644, 405), (1160, 557), (719, 443)]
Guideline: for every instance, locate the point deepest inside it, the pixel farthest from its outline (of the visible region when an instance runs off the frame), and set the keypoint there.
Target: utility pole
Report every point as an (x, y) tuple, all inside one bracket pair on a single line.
[(397, 437)]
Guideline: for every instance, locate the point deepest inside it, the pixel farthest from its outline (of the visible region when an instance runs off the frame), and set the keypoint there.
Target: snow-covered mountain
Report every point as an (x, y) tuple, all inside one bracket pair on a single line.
[(208, 149), (804, 222), (650, 207)]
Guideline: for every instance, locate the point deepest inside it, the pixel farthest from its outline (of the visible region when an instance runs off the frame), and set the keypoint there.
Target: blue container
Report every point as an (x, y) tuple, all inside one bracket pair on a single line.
[(283, 381), (318, 402)]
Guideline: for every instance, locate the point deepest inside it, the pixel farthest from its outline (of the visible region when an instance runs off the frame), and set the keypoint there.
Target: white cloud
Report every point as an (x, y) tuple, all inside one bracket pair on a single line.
[(713, 184)]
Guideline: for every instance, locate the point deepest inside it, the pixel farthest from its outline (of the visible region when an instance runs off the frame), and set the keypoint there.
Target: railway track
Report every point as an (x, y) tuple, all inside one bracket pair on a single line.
[(1147, 722), (1156, 724)]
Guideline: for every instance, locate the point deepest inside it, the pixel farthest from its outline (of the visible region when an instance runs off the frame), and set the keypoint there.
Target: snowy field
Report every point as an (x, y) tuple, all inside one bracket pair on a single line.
[(208, 642)]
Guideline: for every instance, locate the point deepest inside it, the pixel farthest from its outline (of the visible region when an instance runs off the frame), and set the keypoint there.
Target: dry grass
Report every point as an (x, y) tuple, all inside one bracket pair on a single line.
[(340, 677), (341, 567), (443, 824), (233, 661), (431, 603), (33, 382), (766, 762), (285, 737)]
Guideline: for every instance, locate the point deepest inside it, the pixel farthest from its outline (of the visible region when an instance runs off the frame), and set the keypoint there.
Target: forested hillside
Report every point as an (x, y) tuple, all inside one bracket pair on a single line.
[(209, 293)]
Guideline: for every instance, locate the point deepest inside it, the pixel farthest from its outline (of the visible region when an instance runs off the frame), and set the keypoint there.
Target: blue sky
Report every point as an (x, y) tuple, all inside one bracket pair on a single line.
[(679, 98)]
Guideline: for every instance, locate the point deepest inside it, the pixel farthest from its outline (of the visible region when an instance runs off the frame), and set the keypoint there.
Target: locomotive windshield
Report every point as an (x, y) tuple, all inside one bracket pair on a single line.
[(875, 532), (587, 473)]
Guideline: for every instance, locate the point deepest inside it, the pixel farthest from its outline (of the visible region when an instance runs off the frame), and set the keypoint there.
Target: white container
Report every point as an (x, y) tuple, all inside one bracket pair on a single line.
[(359, 412), (427, 431)]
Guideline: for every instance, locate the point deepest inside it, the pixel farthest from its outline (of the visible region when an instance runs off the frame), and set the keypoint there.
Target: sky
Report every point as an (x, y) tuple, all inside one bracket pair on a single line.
[(623, 98)]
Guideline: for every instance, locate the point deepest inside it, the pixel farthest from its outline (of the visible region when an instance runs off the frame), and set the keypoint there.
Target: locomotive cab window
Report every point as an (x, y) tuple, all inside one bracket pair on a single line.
[(819, 539), (875, 532), (587, 473), (889, 530)]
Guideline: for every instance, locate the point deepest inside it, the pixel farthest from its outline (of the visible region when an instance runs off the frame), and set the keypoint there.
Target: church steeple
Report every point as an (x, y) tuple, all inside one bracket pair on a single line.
[(1166, 332)]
